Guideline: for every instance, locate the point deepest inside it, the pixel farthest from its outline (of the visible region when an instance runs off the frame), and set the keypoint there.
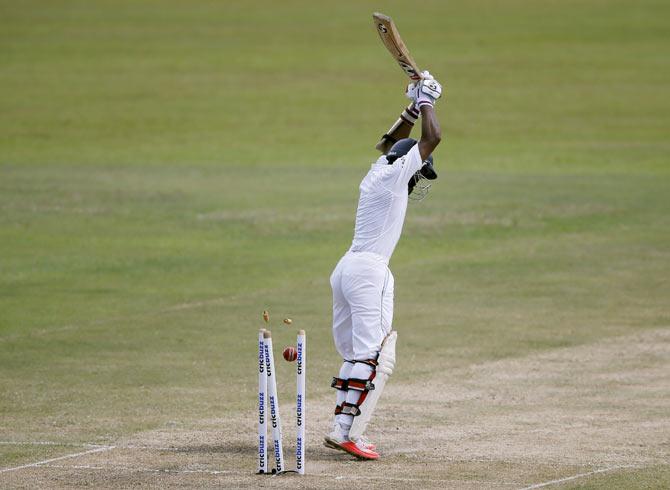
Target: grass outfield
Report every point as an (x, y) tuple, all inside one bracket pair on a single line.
[(168, 170)]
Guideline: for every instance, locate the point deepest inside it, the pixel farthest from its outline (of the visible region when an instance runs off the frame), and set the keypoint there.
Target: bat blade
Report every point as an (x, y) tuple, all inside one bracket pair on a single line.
[(390, 36)]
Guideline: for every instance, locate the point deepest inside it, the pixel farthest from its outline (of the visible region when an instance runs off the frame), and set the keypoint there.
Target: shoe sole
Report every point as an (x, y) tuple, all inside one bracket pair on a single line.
[(332, 444)]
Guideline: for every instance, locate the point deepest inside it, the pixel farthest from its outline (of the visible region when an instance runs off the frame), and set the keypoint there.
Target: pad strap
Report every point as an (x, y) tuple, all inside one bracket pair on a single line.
[(350, 409), (352, 384), (340, 384), (360, 384)]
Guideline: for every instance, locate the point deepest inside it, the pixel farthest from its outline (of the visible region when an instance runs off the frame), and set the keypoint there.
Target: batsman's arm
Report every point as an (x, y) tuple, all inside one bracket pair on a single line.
[(431, 133), (401, 129)]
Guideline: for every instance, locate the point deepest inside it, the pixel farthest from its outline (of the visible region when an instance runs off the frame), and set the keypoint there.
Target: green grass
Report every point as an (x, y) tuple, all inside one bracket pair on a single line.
[(170, 169)]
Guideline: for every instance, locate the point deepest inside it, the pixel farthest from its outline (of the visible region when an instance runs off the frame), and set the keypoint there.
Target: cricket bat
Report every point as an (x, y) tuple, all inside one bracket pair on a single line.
[(391, 39), (390, 36)]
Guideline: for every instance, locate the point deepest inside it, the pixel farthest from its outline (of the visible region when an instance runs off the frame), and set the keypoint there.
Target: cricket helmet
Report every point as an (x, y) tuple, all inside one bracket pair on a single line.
[(415, 189)]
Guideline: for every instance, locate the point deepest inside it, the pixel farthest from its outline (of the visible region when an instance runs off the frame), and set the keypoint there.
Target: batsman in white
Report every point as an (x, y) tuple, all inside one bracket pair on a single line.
[(362, 282)]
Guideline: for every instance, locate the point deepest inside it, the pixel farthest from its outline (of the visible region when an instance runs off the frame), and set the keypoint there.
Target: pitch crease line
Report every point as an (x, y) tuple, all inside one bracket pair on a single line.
[(581, 475), (51, 443), (410, 480), (137, 470), (59, 458)]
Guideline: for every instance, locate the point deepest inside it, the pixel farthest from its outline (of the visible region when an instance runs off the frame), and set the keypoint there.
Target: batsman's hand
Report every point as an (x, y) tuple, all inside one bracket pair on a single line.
[(410, 92), (427, 92)]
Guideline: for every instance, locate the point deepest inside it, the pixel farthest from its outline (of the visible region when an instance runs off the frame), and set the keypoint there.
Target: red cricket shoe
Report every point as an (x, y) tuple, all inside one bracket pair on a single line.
[(368, 444), (333, 443), (359, 449)]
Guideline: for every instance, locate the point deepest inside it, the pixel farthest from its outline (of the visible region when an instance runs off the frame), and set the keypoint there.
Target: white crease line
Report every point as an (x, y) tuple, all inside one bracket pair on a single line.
[(184, 449), (136, 470), (410, 480), (88, 444), (581, 475), (51, 460), (50, 443)]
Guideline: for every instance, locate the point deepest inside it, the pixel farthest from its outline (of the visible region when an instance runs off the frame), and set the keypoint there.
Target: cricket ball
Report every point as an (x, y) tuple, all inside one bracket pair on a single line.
[(288, 321), (290, 353)]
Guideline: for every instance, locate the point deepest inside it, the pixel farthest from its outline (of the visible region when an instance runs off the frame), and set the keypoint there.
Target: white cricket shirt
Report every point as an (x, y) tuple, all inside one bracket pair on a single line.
[(383, 203)]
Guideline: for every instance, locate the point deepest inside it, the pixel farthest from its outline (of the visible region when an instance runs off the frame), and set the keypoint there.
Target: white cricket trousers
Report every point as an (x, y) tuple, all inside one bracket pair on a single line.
[(362, 305)]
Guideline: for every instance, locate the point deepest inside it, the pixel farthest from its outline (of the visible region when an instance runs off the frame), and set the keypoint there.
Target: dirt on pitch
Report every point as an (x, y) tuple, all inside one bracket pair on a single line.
[(506, 424)]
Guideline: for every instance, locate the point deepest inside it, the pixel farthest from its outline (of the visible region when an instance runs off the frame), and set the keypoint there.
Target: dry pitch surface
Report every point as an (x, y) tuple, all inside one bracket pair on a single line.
[(590, 415)]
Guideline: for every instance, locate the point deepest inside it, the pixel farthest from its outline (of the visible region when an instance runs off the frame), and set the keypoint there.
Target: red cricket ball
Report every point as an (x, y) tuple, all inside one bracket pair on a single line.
[(290, 353)]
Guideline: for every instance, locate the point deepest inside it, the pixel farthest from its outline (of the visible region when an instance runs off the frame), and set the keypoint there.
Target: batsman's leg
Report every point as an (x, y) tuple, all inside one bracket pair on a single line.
[(385, 358)]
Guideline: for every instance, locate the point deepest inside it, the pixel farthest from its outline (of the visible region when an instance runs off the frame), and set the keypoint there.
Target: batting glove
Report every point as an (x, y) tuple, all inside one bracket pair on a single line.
[(410, 92), (427, 92)]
